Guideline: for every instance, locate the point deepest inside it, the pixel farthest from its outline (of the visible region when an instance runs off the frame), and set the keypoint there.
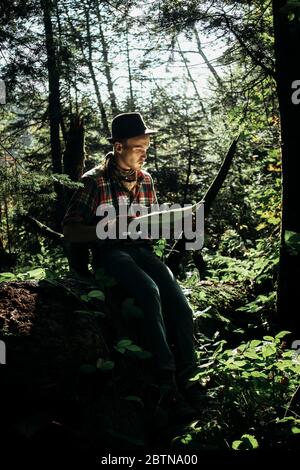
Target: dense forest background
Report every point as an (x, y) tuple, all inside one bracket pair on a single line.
[(205, 74)]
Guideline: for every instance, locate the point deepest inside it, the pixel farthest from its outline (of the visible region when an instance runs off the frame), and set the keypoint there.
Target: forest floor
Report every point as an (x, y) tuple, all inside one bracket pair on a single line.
[(70, 392)]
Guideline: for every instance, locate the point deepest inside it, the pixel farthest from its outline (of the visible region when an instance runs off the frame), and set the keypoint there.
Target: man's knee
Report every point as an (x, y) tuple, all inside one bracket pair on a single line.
[(151, 290)]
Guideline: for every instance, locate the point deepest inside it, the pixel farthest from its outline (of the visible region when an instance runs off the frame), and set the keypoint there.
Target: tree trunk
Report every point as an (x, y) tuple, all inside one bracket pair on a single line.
[(192, 80), (74, 155), (131, 95), (107, 72), (209, 65), (189, 168), (54, 101), (89, 62), (287, 40)]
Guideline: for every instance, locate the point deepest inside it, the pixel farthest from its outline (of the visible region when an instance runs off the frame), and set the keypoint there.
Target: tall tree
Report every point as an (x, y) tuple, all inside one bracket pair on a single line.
[(287, 40), (48, 8), (106, 63)]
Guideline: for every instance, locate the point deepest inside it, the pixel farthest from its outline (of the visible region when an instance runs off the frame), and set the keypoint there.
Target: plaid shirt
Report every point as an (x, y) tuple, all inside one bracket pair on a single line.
[(97, 189)]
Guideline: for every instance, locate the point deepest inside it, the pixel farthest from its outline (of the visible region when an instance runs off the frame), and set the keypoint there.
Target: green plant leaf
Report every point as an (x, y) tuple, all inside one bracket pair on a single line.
[(281, 334), (247, 442), (268, 350), (258, 375), (285, 364), (37, 273), (269, 338), (292, 241), (135, 398), (295, 430), (104, 365), (236, 445), (96, 294), (123, 343), (251, 355), (4, 277), (120, 350), (254, 343), (84, 297), (133, 348), (235, 364)]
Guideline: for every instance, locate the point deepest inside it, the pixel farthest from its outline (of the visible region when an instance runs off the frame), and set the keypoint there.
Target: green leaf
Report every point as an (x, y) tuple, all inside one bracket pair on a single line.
[(96, 294), (292, 241), (268, 350), (84, 297), (104, 365), (158, 252), (123, 343), (258, 375), (295, 430), (250, 440), (269, 338), (4, 277), (285, 364), (186, 439), (245, 375), (120, 350), (254, 343), (287, 419), (247, 442), (251, 355), (291, 16), (235, 364), (236, 445), (134, 398), (133, 348), (38, 273), (281, 334)]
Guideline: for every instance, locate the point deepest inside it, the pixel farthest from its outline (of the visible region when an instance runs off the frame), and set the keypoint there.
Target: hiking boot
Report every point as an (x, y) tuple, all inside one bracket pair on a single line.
[(171, 400), (175, 405)]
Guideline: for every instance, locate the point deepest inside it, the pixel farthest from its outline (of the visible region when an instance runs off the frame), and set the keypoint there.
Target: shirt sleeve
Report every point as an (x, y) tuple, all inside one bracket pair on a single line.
[(83, 205)]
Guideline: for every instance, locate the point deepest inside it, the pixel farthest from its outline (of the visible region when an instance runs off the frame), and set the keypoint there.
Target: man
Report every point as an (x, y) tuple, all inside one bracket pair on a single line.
[(168, 318)]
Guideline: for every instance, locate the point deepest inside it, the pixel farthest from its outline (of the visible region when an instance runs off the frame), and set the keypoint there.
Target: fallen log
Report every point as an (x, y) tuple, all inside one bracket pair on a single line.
[(50, 383)]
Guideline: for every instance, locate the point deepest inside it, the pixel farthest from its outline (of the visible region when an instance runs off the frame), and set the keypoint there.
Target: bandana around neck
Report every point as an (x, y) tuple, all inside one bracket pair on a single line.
[(127, 179)]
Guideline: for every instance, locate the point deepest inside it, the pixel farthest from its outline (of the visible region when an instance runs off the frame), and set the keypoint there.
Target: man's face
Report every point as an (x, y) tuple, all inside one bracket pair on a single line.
[(132, 153)]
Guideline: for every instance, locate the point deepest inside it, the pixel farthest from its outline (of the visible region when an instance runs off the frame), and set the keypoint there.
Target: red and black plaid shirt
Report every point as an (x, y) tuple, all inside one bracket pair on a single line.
[(97, 189)]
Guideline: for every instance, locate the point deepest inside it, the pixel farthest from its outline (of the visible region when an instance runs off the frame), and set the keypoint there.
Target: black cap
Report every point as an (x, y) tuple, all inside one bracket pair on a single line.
[(127, 125)]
